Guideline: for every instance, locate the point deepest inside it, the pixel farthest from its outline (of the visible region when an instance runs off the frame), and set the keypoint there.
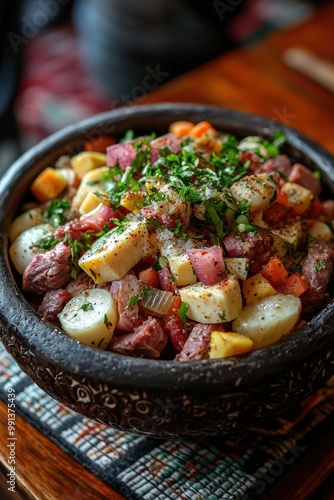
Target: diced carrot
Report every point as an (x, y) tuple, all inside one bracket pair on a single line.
[(149, 277), (48, 185), (275, 213), (200, 128), (99, 144), (275, 272), (293, 285), (181, 128), (282, 197)]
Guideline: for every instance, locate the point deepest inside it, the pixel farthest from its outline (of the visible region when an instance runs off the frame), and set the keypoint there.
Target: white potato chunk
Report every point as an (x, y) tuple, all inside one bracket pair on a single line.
[(269, 319), (25, 221), (213, 304), (114, 254), (25, 247), (239, 266), (259, 189), (299, 197), (90, 317), (253, 143), (320, 230), (181, 269), (291, 233)]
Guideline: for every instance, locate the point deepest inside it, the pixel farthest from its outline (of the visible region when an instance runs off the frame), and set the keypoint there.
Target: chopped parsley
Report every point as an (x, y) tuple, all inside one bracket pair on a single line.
[(319, 266), (143, 295), (183, 311), (87, 306), (54, 214)]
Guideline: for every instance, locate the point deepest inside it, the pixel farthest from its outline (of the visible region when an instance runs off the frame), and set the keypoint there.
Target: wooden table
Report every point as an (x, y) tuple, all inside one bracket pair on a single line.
[(252, 79)]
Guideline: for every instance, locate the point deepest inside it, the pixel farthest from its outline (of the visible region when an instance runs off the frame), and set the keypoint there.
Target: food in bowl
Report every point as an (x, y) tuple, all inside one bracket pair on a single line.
[(192, 245)]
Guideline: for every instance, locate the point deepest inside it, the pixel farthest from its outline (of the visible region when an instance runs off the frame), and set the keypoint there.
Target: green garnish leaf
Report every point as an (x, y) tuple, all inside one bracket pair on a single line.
[(144, 294), (183, 311), (319, 265), (54, 214), (87, 306)]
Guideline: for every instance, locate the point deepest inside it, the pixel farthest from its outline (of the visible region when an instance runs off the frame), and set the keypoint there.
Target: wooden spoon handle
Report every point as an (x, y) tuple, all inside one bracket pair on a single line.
[(307, 63)]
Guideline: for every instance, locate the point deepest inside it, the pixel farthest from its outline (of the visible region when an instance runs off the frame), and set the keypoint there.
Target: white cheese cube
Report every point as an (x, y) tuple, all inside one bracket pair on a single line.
[(213, 304)]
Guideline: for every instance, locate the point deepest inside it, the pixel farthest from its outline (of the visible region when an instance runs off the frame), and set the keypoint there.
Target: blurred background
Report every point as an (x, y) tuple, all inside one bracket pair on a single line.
[(64, 60)]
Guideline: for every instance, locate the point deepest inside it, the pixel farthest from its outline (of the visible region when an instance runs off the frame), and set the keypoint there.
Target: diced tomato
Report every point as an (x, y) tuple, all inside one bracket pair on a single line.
[(276, 213), (176, 332), (293, 285), (99, 144), (150, 277), (282, 197), (275, 272)]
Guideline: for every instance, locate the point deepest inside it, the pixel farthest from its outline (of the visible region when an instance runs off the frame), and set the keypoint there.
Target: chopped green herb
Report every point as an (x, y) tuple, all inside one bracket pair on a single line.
[(87, 306), (319, 265), (54, 214), (144, 294), (183, 311), (47, 243)]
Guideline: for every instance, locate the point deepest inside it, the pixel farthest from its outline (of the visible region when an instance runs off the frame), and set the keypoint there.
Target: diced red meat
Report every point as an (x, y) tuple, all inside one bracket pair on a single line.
[(208, 264), (197, 346), (255, 163), (328, 210), (254, 246), (317, 270), (165, 279), (304, 176), (48, 271), (146, 341), (122, 291), (280, 163), (53, 303), (82, 283), (91, 223), (176, 332)]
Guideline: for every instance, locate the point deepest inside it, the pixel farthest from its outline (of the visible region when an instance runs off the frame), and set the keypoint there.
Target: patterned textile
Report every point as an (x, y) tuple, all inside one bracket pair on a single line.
[(239, 467)]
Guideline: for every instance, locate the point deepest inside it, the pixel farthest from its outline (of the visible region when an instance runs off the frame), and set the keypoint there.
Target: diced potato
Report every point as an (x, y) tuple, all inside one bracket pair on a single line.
[(279, 246), (91, 183), (181, 269), (298, 197), (320, 230), (213, 304), (253, 143), (114, 254), (24, 248), (86, 161), (239, 266), (256, 288), (291, 233), (90, 317), (48, 185), (258, 189), (132, 201), (25, 221), (226, 344), (92, 201), (256, 220), (269, 319)]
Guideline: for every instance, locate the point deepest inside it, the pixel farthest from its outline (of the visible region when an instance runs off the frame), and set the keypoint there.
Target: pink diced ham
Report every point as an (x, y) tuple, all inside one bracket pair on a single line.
[(208, 264), (168, 140), (304, 176), (123, 154)]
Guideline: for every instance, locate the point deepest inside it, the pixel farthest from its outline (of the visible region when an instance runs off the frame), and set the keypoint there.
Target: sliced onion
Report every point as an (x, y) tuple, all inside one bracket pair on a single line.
[(158, 302)]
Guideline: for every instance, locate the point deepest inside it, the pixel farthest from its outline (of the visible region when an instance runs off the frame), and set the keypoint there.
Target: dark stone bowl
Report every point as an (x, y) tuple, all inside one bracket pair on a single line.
[(161, 398)]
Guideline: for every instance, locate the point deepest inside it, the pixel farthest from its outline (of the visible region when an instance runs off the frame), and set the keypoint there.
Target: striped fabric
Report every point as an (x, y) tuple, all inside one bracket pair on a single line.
[(239, 467)]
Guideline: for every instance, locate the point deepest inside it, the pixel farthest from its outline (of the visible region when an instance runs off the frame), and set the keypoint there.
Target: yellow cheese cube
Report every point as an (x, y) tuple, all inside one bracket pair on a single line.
[(299, 197), (86, 161), (48, 185), (226, 344), (256, 288), (92, 201)]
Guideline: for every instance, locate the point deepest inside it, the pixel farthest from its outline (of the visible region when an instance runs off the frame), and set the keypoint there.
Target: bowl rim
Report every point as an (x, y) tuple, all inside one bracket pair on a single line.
[(79, 360)]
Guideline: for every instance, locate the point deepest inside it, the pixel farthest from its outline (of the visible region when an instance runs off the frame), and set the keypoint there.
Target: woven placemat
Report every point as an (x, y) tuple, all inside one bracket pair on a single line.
[(239, 467)]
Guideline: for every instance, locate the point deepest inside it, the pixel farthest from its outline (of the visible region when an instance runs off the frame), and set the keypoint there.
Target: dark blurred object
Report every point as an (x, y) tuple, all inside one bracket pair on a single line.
[(132, 47), (10, 68)]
